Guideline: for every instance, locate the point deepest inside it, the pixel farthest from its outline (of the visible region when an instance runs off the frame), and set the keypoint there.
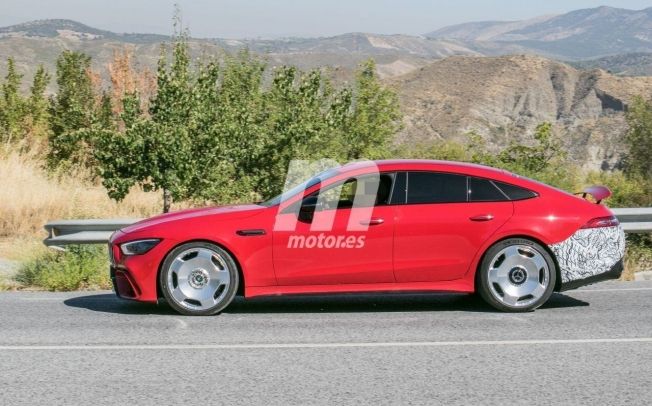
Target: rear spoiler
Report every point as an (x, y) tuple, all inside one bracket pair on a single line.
[(599, 193)]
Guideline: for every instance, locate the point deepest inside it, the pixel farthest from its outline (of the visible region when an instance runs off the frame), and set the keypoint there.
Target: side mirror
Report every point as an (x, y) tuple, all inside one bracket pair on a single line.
[(307, 210)]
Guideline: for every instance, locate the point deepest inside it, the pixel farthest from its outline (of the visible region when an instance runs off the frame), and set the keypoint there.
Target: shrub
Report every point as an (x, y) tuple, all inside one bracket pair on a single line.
[(639, 254), (79, 267), (628, 191)]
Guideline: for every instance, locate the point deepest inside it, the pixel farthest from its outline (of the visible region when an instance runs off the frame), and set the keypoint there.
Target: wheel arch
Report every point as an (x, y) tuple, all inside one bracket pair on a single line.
[(241, 284), (526, 237)]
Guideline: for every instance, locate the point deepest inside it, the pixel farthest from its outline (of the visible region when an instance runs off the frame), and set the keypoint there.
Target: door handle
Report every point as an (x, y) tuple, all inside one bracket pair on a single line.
[(374, 221), (482, 217)]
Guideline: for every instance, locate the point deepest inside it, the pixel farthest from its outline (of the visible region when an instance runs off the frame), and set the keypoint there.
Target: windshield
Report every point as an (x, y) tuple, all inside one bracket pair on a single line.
[(327, 174)]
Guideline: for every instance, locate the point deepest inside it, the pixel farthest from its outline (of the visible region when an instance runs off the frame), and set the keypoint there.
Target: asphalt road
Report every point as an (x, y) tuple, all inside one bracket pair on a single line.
[(590, 346)]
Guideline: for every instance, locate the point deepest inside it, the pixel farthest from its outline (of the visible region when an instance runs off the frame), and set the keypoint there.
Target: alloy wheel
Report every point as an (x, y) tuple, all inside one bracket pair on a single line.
[(518, 276), (198, 278)]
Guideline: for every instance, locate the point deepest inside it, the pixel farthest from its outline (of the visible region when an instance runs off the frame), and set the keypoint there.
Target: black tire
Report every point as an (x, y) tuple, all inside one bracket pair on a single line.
[(225, 266), (490, 289)]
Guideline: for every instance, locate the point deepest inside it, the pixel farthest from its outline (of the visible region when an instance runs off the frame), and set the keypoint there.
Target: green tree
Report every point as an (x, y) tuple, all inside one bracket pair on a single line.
[(151, 151), (72, 110), (23, 118), (238, 134), (536, 158), (38, 103), (639, 138), (173, 148), (215, 132), (375, 118), (119, 153), (299, 125), (12, 107)]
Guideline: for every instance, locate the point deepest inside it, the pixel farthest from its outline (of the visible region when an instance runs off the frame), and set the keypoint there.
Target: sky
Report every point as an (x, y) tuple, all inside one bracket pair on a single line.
[(284, 18)]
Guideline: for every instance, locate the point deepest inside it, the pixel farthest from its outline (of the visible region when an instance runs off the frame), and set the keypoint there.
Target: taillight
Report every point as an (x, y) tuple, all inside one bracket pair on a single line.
[(608, 221)]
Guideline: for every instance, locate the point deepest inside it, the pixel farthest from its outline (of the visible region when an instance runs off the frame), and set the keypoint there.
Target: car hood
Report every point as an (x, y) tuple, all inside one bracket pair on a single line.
[(231, 212)]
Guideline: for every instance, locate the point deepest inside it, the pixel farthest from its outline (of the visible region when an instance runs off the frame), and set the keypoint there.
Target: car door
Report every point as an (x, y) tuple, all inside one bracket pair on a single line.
[(445, 220), (338, 243)]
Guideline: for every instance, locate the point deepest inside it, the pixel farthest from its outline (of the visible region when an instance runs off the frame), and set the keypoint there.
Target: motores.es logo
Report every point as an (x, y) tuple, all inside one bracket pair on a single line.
[(328, 210), (323, 241)]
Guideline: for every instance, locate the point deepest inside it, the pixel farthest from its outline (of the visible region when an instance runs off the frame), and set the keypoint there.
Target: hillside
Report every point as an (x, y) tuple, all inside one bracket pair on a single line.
[(42, 41), (60, 28), (504, 98), (483, 30), (632, 64), (452, 82), (579, 34)]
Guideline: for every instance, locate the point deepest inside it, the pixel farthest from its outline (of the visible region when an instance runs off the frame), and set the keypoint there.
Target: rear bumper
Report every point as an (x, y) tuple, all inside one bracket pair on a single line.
[(589, 256), (613, 273)]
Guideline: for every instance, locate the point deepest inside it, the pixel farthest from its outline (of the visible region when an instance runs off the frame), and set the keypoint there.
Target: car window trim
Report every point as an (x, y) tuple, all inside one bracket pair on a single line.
[(407, 186), (508, 199), (500, 190), (400, 176), (391, 174), (469, 191), (534, 193)]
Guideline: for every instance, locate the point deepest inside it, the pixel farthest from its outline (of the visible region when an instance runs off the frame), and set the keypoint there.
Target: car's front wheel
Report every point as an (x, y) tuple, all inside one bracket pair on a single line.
[(199, 278), (516, 275)]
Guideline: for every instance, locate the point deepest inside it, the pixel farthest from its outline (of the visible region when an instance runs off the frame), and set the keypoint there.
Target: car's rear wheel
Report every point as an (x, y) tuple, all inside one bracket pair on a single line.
[(516, 275), (199, 278)]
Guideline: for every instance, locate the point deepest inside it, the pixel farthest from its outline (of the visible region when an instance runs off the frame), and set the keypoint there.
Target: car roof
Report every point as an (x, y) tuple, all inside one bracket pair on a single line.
[(429, 165), (462, 168)]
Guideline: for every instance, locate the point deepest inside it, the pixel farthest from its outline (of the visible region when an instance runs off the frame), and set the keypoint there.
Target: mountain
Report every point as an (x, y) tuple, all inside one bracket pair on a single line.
[(580, 34), (504, 98), (482, 30), (484, 77), (632, 64), (59, 28), (41, 41)]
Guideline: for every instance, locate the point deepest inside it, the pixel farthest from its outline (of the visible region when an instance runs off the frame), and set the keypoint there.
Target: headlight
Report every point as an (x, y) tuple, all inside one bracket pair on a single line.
[(138, 247)]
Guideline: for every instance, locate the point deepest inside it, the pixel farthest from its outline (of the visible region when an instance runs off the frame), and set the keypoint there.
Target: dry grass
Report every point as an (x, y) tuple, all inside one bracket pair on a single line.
[(30, 197)]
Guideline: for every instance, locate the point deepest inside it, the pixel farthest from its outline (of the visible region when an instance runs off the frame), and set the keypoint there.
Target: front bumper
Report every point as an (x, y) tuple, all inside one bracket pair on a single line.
[(123, 285), (135, 277), (590, 255)]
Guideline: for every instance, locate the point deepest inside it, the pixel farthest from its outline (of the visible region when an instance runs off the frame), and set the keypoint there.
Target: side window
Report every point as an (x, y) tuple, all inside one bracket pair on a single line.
[(484, 190), (339, 196), (434, 187), (515, 192), (369, 191)]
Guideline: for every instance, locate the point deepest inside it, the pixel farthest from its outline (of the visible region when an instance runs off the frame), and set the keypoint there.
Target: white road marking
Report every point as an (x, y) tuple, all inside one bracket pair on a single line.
[(606, 290), (319, 345), (42, 298)]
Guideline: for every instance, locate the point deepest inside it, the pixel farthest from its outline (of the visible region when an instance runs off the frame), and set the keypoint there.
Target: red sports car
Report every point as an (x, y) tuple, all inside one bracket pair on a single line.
[(385, 226)]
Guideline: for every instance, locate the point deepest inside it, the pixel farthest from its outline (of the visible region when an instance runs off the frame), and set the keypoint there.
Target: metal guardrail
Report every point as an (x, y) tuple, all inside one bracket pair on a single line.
[(69, 232), (94, 231), (635, 220)]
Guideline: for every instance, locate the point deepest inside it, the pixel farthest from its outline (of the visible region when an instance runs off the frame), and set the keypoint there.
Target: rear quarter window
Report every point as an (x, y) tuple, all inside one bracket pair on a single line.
[(484, 190), (515, 192)]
